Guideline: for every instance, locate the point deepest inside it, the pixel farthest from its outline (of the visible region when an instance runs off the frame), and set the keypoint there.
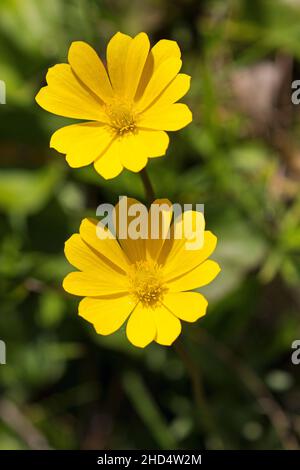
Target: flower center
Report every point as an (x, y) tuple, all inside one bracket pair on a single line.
[(121, 118), (146, 283)]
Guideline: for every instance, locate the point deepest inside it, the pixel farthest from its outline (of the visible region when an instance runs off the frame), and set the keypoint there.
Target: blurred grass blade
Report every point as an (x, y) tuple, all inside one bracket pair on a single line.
[(148, 411)]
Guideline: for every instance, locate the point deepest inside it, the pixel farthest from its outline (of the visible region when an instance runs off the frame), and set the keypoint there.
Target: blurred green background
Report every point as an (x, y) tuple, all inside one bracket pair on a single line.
[(64, 387)]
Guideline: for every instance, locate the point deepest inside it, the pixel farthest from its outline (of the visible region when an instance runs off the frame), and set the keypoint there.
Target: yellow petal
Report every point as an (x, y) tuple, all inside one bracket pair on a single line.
[(198, 277), (82, 143), (133, 153), (188, 306), (181, 260), (107, 315), (187, 233), (164, 74), (154, 143), (173, 92), (108, 165), (167, 325), (169, 118), (117, 51), (84, 258), (135, 250), (141, 328), (92, 232), (93, 283), (66, 96), (136, 57), (160, 216), (163, 50), (87, 65), (80, 255), (129, 151)]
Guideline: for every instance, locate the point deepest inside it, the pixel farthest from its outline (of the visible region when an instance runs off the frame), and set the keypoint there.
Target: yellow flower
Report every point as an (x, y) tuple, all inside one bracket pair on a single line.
[(128, 107), (143, 280)]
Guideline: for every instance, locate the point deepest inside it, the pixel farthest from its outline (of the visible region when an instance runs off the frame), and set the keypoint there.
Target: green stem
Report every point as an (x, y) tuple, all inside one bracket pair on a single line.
[(147, 186), (203, 411)]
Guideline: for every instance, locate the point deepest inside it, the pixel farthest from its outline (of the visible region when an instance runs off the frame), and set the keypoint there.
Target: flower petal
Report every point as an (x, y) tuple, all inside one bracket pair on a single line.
[(160, 216), (136, 57), (93, 233), (155, 143), (181, 260), (188, 306), (198, 277), (108, 165), (168, 118), (88, 66), (107, 315), (82, 257), (126, 211), (94, 283), (164, 74), (141, 328), (116, 54), (161, 51), (66, 96), (129, 151), (82, 143), (188, 228), (133, 153), (173, 92), (168, 326)]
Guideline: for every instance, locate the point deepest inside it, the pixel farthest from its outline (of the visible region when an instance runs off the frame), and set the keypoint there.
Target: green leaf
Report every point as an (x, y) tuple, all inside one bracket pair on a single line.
[(24, 192)]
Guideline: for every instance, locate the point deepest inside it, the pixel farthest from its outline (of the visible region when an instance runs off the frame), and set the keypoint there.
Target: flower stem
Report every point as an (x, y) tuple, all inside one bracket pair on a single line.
[(147, 186), (203, 412)]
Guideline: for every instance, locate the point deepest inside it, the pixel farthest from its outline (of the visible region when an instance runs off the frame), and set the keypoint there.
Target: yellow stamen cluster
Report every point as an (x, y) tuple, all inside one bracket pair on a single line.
[(146, 283), (121, 118)]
